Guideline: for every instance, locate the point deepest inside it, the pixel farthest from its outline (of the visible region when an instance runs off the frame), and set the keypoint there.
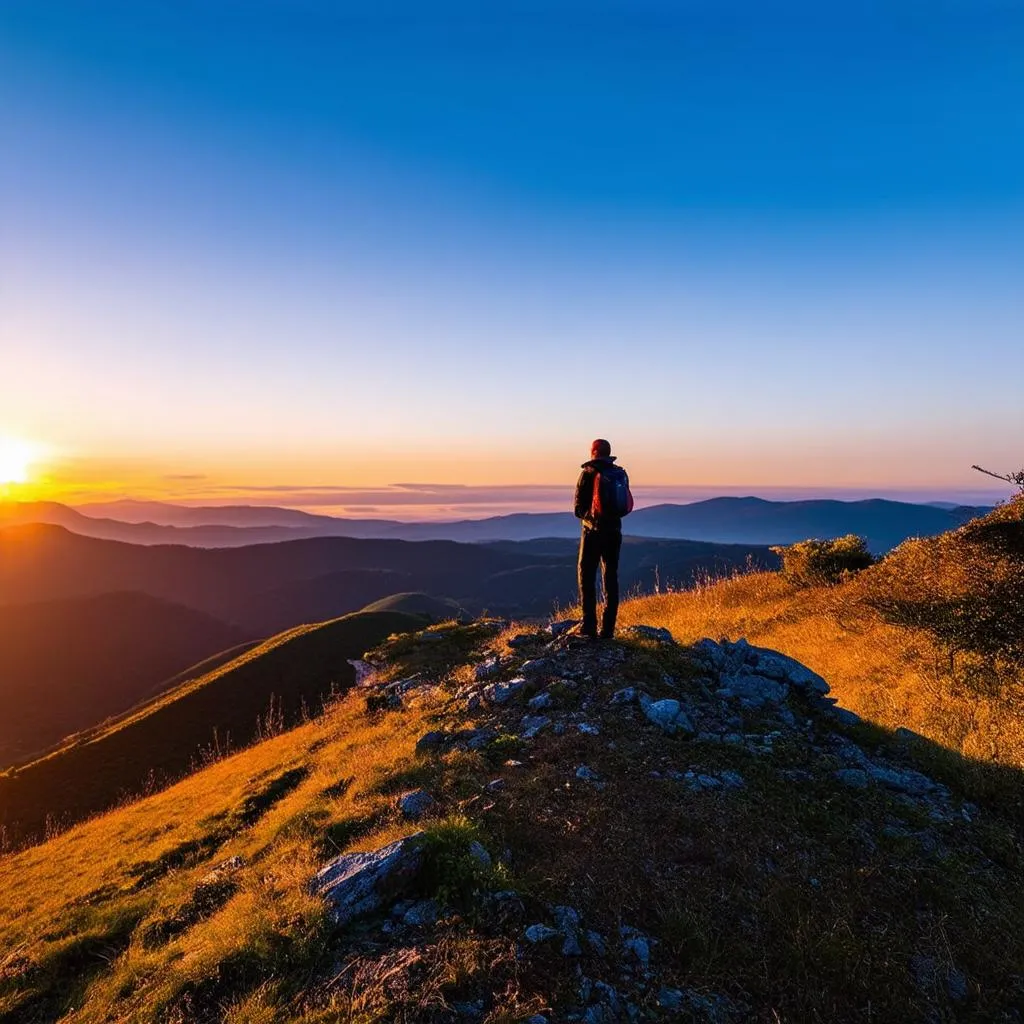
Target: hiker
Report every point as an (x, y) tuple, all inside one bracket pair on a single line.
[(602, 499)]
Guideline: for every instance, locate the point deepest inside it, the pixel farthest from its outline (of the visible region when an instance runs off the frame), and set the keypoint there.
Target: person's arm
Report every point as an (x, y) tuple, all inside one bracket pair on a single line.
[(584, 493)]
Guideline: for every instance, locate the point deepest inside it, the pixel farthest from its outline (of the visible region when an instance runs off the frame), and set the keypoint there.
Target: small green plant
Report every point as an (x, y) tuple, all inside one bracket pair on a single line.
[(824, 562), (455, 866)]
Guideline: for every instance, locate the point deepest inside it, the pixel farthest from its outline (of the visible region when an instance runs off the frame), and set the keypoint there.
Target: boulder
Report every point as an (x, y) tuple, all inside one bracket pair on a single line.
[(667, 714), (358, 883), (533, 725), (541, 933), (774, 665), (753, 690), (502, 693), (537, 667), (415, 803), (486, 669)]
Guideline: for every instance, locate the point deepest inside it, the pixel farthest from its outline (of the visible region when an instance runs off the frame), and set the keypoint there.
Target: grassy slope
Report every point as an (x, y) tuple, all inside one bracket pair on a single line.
[(112, 650), (161, 738), (890, 675), (815, 915)]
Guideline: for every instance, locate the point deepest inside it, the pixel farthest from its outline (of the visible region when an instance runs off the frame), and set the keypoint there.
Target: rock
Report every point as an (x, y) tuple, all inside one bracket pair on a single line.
[(538, 703), (537, 1018), (656, 633), (845, 717), (624, 696), (587, 774), (537, 667), (696, 780), (562, 626), (731, 779), (855, 778), (668, 715), (710, 653), (541, 933), (532, 725), (475, 739), (588, 729), (474, 702), (479, 853), (774, 665), (752, 690), (502, 693), (495, 786), (905, 781), (431, 742), (670, 999), (415, 804), (357, 883), (421, 913), (486, 669), (523, 640), (362, 669), (595, 940), (568, 921), (636, 943)]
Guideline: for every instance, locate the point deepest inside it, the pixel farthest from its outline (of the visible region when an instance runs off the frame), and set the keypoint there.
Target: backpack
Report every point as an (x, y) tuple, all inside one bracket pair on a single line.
[(612, 496)]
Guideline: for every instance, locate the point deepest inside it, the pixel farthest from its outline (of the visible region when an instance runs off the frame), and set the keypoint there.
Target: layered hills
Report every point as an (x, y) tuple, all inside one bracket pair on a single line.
[(718, 520), (130, 616), (261, 691), (68, 663)]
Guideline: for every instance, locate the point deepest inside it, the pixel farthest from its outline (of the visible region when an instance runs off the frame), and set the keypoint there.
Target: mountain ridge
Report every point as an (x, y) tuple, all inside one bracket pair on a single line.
[(716, 520)]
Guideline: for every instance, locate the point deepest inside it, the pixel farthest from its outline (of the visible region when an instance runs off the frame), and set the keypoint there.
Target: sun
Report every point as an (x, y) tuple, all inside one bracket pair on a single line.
[(16, 458)]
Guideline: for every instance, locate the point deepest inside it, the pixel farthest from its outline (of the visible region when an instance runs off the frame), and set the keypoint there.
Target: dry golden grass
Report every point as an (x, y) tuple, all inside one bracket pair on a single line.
[(891, 675)]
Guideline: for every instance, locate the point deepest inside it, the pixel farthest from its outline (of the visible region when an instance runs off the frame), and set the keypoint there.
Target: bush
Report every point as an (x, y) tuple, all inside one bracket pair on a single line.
[(824, 562)]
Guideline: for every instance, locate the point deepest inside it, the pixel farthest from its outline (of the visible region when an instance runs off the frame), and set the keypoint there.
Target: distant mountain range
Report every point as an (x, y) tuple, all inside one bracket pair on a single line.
[(718, 520)]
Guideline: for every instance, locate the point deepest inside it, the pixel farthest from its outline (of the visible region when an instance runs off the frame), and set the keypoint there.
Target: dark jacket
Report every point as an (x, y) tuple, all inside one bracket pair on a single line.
[(585, 497)]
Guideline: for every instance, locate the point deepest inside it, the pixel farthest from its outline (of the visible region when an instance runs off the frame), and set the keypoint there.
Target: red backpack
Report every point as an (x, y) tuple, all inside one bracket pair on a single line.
[(612, 496)]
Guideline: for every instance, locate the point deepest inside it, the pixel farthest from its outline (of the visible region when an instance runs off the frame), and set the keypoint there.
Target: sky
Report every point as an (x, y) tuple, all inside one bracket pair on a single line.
[(411, 258)]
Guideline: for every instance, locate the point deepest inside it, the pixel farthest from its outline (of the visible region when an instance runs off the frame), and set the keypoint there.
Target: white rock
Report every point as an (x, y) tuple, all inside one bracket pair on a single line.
[(350, 884)]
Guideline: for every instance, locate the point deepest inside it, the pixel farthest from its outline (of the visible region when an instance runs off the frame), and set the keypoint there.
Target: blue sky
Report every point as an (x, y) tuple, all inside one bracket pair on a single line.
[(308, 244)]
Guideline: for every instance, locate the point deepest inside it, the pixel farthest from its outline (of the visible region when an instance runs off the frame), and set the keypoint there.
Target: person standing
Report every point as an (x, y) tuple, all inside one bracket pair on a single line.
[(602, 499)]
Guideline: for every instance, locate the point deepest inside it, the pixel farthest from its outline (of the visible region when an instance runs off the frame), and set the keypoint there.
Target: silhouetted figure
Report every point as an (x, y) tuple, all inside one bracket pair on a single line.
[(602, 499)]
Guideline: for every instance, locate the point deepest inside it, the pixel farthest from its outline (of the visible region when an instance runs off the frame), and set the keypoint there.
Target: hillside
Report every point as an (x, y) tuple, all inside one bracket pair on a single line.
[(67, 664), (265, 689), (601, 833), (929, 638), (268, 587)]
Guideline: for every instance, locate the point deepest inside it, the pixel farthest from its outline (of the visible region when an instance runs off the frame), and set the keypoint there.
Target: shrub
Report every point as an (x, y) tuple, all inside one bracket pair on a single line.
[(454, 871), (824, 562)]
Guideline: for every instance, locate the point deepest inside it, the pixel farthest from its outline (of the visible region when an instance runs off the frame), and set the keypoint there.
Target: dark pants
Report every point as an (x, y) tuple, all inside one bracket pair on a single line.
[(599, 547)]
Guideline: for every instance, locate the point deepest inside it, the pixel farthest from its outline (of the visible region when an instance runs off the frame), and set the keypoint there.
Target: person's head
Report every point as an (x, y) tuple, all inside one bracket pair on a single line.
[(600, 449)]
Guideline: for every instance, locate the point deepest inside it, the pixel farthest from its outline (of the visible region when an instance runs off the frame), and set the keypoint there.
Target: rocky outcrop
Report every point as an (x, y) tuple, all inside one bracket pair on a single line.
[(358, 883)]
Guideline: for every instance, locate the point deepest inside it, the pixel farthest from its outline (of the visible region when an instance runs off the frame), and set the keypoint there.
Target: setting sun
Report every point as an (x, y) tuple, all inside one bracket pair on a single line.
[(16, 458)]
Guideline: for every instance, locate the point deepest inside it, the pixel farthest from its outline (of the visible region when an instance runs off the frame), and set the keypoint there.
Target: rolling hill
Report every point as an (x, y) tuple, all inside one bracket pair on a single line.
[(66, 664), (262, 691), (265, 588)]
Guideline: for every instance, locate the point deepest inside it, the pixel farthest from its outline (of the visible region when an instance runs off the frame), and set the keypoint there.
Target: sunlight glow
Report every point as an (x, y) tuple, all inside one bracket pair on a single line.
[(16, 459)]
